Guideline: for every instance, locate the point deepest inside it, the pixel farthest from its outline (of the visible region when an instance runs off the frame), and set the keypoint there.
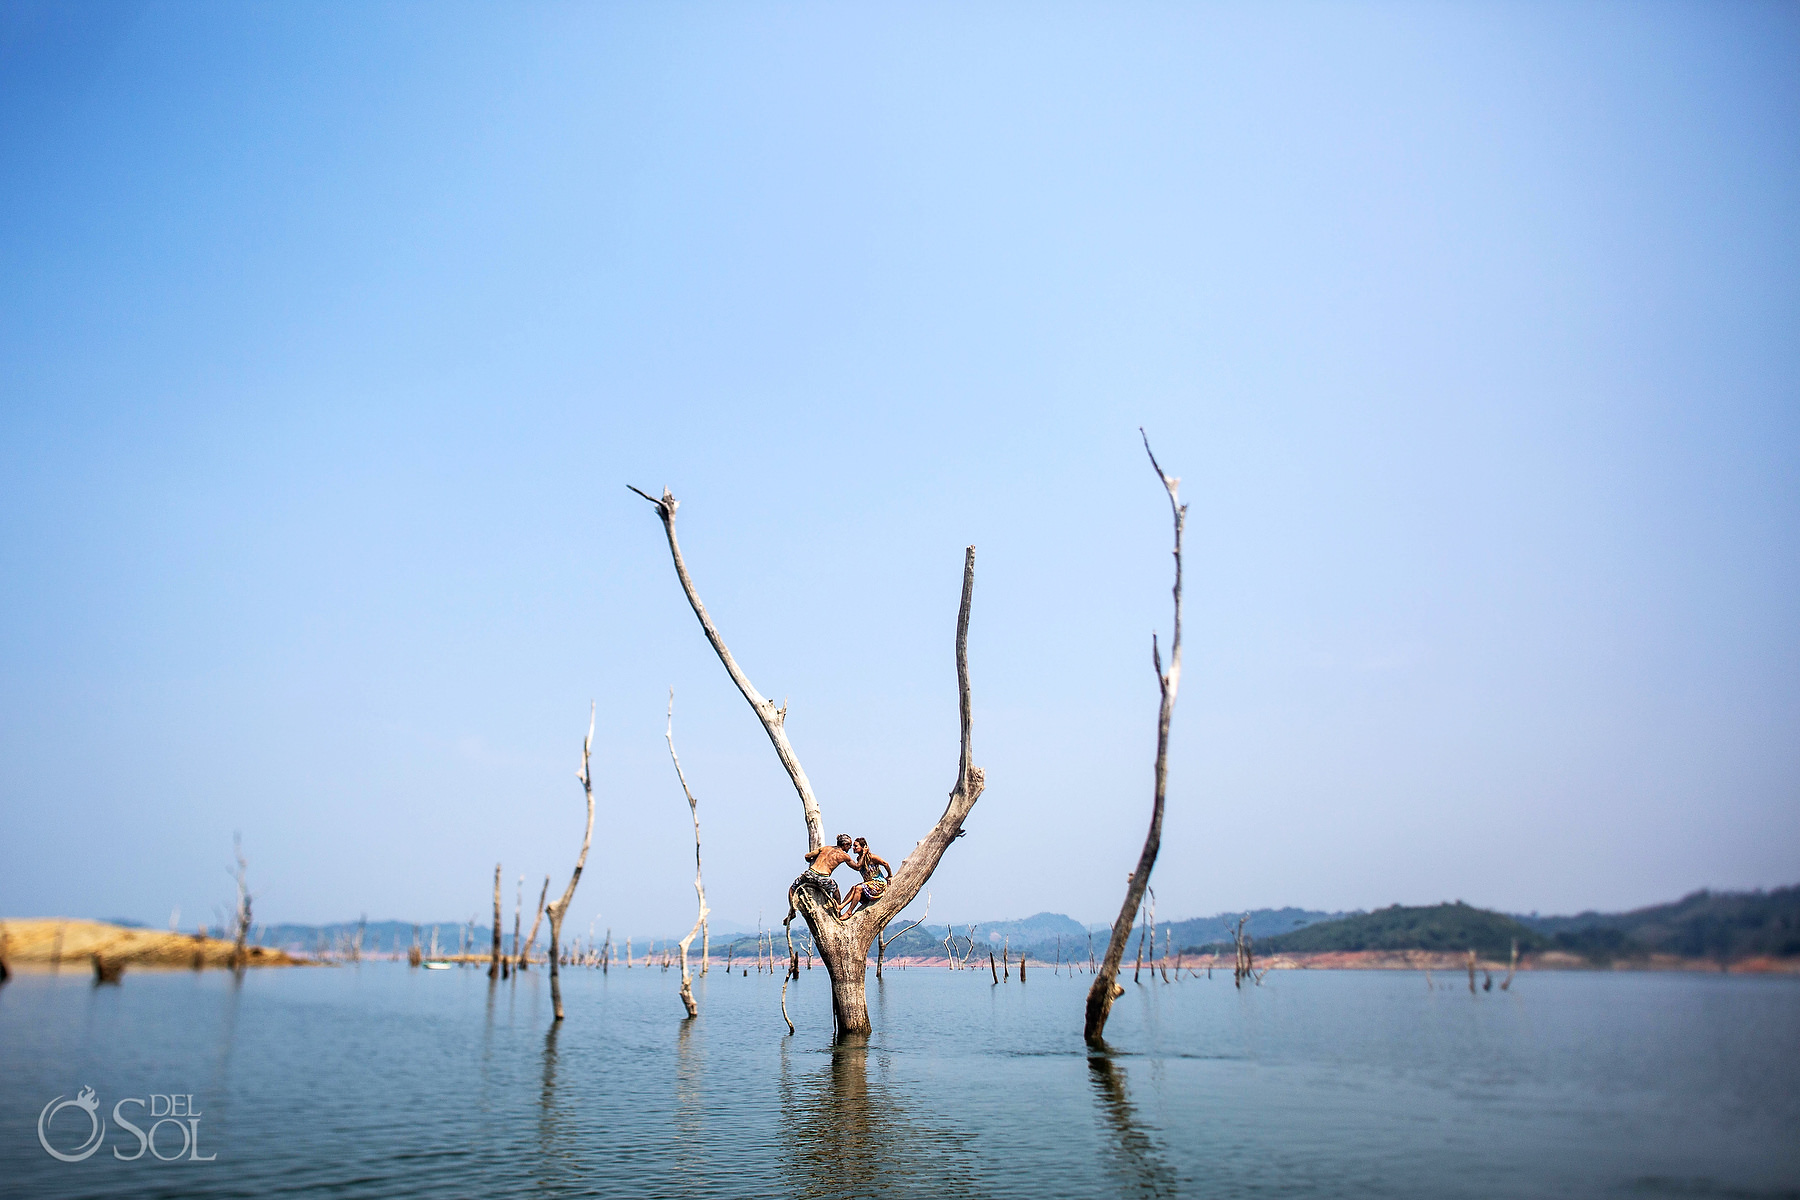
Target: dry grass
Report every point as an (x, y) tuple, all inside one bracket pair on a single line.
[(47, 940)]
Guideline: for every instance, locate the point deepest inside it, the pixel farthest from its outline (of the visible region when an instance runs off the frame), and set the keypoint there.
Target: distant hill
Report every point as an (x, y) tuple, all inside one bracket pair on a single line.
[(1724, 926), (1264, 923), (1451, 927), (1704, 924)]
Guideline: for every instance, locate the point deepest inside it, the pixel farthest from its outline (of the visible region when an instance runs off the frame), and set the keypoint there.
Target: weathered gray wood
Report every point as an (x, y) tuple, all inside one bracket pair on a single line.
[(558, 909), (1105, 988), (687, 983), (494, 957)]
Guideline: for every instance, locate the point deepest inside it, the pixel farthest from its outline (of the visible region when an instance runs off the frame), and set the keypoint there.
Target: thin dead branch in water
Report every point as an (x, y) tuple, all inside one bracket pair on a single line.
[(1512, 964), (882, 943), (560, 908), (525, 950), (494, 957), (1101, 995), (241, 914), (1471, 972), (687, 988)]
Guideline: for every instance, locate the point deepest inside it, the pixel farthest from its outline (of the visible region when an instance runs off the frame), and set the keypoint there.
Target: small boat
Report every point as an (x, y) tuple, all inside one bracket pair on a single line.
[(437, 966)]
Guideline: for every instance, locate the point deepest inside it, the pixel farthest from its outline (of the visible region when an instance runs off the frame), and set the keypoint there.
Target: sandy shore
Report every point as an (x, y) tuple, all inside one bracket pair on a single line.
[(32, 942)]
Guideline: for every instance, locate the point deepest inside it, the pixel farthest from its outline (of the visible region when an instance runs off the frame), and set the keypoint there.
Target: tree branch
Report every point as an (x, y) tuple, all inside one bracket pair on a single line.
[(772, 718), (918, 866)]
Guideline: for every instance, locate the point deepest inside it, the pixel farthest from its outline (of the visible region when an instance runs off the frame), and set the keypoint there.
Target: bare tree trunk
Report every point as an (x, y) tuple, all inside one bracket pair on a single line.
[(1512, 964), (1106, 988), (494, 959), (525, 950), (559, 909), (687, 988), (1471, 972), (239, 957), (882, 943), (844, 944)]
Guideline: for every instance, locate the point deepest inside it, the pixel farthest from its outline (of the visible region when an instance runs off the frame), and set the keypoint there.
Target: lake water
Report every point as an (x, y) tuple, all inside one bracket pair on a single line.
[(380, 1080)]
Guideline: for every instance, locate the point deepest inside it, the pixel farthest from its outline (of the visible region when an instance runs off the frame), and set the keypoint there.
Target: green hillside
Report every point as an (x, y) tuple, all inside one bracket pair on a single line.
[(1705, 924), (1451, 927)]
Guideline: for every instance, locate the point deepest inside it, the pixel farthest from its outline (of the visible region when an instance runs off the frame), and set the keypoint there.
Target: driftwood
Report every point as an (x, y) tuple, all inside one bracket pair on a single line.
[(843, 944), (687, 988), (1106, 988), (558, 909)]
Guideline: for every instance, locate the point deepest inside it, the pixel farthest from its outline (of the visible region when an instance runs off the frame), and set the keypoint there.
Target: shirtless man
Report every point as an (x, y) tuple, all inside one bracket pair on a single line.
[(875, 872), (821, 863)]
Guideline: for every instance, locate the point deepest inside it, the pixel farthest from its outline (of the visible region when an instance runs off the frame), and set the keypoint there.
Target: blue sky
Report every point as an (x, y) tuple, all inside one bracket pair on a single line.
[(331, 335)]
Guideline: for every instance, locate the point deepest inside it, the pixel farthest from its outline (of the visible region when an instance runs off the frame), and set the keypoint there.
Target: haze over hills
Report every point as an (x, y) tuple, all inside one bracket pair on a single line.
[(1704, 924)]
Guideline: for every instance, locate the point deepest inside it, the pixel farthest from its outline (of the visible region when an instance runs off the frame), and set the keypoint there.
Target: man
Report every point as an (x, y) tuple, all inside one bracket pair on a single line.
[(817, 876), (875, 872)]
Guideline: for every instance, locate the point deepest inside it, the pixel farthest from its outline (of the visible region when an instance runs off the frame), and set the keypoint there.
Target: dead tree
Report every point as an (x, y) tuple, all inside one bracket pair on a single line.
[(241, 918), (1512, 964), (687, 988), (525, 950), (1241, 970), (882, 943), (558, 909), (1106, 987), (519, 905), (494, 956), (844, 944), (1471, 972)]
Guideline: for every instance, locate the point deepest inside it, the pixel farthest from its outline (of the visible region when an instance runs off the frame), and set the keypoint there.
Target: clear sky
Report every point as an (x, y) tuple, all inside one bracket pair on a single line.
[(331, 335)]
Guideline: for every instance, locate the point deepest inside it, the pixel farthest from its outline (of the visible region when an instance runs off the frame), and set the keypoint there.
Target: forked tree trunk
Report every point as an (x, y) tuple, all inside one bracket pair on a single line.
[(844, 944), (560, 908), (1106, 988)]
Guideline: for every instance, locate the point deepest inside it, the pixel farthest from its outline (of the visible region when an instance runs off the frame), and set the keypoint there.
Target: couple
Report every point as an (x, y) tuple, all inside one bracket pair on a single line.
[(822, 862)]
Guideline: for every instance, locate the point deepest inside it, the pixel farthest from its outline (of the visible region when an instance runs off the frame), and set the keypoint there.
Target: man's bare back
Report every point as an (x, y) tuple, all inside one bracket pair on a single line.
[(827, 859)]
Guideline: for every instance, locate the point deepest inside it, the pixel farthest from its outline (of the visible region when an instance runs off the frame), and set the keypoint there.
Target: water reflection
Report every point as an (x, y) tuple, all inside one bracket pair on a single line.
[(849, 1135), (556, 1166), (1137, 1164), (690, 1105)]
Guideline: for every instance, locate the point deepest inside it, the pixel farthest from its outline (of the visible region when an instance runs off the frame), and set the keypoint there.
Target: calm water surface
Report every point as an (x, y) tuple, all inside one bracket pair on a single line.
[(383, 1081)]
